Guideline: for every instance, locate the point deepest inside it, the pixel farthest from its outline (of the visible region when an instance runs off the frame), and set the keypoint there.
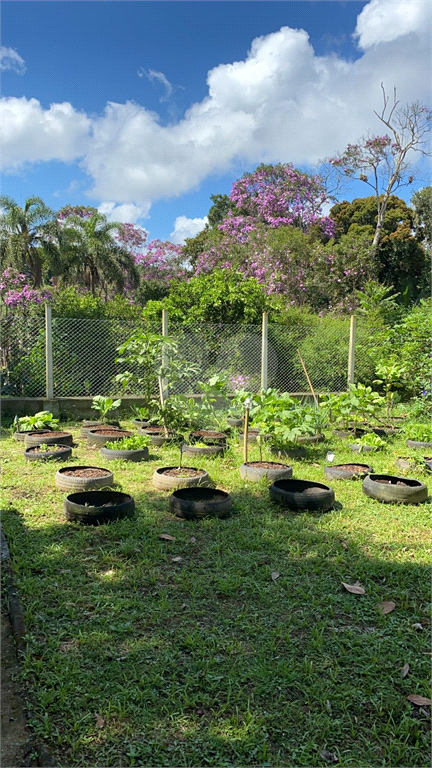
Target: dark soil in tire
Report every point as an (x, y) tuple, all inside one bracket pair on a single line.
[(196, 503), (299, 495), (97, 507), (83, 478), (393, 489), (56, 453), (204, 435), (347, 471), (170, 478), (102, 436), (49, 438)]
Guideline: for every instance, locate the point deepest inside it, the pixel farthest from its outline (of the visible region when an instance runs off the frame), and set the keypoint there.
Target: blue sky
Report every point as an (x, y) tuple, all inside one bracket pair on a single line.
[(145, 109)]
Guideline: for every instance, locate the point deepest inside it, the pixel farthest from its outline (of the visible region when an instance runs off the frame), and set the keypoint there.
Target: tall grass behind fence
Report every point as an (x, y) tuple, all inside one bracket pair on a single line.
[(84, 353)]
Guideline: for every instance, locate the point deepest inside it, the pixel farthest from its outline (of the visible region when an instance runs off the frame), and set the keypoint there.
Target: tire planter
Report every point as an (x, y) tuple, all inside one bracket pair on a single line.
[(252, 436), (290, 453), (364, 448), (209, 450), (428, 462), (157, 435), (235, 422), (167, 482), (98, 437), (56, 453), (73, 482), (299, 495), (254, 471), (103, 506), (21, 436), (196, 503), (392, 489), (347, 471), (310, 439), (49, 438), (387, 431), (351, 433), (207, 435), (418, 444), (140, 423), (86, 426), (137, 454)]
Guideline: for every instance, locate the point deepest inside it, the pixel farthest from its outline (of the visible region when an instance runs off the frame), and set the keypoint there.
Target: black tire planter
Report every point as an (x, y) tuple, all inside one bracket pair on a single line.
[(207, 436), (93, 438), (349, 433), (254, 474), (357, 448), (299, 495), (290, 453), (165, 482), (196, 503), (21, 436), (428, 462), (235, 422), (341, 472), (209, 450), (418, 444), (38, 438), (309, 439), (252, 436), (71, 483), (140, 423), (395, 490), (385, 431), (103, 507), (137, 454), (57, 453), (158, 437)]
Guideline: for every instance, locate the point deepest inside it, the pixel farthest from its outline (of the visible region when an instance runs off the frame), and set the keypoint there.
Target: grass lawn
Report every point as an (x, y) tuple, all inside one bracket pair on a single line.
[(136, 659)]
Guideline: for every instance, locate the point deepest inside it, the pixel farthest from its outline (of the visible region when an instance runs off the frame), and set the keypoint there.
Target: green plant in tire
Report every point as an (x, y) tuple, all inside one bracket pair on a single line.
[(40, 420), (359, 404), (419, 432), (140, 413), (391, 376), (104, 405), (372, 440), (132, 443)]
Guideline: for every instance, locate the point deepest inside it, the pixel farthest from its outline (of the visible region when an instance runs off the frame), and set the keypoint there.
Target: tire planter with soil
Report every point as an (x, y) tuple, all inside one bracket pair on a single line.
[(351, 433), (97, 507), (137, 454), (140, 423), (418, 444), (299, 495), (208, 450), (235, 422), (86, 426), (196, 503), (169, 478), (289, 453), (101, 435), (158, 435), (48, 438), (357, 448), (309, 439), (207, 435), (83, 478), (254, 471), (21, 436), (393, 490), (56, 453), (252, 436), (428, 462), (347, 471)]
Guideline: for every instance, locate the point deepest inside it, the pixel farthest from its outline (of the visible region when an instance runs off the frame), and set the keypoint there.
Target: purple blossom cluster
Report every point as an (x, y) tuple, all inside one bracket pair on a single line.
[(161, 261), (15, 292), (238, 382)]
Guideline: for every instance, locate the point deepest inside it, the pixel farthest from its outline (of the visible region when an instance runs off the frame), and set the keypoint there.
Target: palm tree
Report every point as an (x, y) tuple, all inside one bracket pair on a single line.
[(92, 254), (29, 237)]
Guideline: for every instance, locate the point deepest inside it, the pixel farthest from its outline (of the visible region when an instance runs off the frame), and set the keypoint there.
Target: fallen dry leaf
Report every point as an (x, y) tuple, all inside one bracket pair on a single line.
[(166, 537), (386, 607), (355, 589), (419, 701), (405, 670), (177, 559), (344, 544), (329, 756), (275, 575), (100, 722)]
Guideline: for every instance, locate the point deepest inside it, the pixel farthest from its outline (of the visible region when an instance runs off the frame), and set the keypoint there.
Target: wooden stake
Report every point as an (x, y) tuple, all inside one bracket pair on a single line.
[(246, 430), (307, 376)]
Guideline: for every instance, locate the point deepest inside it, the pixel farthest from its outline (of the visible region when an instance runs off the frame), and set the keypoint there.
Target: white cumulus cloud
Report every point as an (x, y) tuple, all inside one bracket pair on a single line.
[(127, 213), (10, 59), (282, 103), (152, 75), (185, 227)]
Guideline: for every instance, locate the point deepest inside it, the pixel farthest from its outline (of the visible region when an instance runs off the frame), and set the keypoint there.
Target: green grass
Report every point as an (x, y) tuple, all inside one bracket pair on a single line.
[(135, 660)]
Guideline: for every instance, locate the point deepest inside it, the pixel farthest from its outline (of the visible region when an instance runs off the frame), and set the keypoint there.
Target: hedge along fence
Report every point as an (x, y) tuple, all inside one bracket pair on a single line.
[(73, 357)]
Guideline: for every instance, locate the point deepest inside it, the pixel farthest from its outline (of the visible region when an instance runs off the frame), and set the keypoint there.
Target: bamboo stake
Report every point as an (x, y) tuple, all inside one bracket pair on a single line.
[(246, 430), (307, 376)]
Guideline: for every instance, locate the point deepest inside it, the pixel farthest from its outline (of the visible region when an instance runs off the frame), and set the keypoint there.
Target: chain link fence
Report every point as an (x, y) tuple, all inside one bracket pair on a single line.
[(84, 355)]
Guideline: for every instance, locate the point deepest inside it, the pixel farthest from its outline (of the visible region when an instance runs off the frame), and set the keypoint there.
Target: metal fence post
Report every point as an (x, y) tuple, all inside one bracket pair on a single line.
[(48, 354), (164, 355), (351, 350), (264, 351)]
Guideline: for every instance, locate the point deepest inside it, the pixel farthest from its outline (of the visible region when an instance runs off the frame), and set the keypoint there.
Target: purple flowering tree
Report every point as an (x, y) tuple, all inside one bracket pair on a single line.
[(384, 162)]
